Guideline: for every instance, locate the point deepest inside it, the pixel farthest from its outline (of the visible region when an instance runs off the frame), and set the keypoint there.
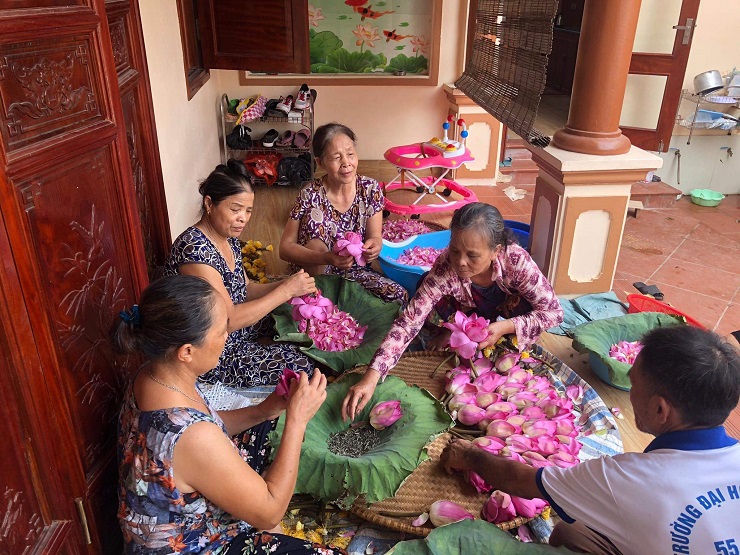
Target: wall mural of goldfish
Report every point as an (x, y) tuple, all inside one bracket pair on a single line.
[(370, 36)]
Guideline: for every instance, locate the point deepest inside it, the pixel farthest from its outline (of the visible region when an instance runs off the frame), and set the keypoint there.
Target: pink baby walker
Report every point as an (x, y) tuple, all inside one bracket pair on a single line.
[(445, 154)]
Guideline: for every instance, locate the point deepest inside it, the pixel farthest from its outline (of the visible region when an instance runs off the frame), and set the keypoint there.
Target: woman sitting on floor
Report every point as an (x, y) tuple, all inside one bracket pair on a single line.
[(210, 249), (333, 205), (482, 271), (185, 486)]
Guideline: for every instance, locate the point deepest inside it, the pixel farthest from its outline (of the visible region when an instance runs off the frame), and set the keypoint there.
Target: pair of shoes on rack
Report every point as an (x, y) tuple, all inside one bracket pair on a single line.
[(239, 138), (299, 139), (270, 138), (302, 100)]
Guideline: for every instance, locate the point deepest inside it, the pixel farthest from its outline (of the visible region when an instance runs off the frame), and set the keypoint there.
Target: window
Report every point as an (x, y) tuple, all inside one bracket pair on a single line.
[(195, 74)]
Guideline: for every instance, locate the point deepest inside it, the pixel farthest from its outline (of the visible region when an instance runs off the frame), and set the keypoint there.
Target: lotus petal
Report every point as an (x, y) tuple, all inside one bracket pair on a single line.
[(477, 482), (470, 415), (461, 399), (420, 520), (563, 459), (484, 400), (528, 508), (499, 508), (506, 362), (283, 386), (446, 512), (501, 428), (489, 443)]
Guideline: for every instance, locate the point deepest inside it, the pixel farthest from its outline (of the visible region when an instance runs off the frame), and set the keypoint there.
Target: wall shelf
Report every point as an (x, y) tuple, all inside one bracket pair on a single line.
[(698, 101)]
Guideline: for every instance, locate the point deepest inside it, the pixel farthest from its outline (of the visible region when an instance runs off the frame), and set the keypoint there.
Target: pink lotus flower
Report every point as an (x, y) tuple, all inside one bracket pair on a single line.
[(502, 429), (420, 520), (528, 508), (461, 400), (350, 244), (477, 482), (311, 307), (499, 508), (283, 386), (467, 333), (447, 512), (470, 415), (489, 382), (535, 460), (500, 411), (484, 400), (568, 444), (339, 332), (385, 414), (456, 371), (314, 15), (460, 384), (490, 444), (482, 365), (563, 459), (366, 34), (506, 362)]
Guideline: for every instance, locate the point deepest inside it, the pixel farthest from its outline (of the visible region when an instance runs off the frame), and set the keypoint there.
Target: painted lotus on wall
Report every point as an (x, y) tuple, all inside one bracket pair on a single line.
[(362, 36)]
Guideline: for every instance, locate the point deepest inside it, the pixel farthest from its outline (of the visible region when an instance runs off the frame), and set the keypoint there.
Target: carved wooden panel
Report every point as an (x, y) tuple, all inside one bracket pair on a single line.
[(74, 222), (46, 88)]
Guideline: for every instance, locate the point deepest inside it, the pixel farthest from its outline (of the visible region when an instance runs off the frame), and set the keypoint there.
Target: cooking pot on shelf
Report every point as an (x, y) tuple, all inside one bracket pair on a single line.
[(733, 113), (707, 82)]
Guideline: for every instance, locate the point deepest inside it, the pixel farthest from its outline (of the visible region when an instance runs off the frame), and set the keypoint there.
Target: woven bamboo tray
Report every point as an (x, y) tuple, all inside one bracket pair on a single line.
[(429, 482)]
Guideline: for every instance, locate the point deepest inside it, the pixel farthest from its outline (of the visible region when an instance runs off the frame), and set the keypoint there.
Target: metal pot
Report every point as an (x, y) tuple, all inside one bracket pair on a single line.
[(707, 82)]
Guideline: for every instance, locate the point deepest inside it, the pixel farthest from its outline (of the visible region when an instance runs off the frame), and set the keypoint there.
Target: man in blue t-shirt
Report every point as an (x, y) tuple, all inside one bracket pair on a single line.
[(682, 494)]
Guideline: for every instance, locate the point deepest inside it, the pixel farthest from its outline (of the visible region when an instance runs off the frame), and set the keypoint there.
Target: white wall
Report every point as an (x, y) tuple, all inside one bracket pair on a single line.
[(715, 45), (382, 116), (187, 130)]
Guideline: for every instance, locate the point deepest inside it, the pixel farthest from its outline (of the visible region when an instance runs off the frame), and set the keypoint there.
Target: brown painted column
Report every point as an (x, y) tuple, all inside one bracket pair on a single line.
[(604, 52)]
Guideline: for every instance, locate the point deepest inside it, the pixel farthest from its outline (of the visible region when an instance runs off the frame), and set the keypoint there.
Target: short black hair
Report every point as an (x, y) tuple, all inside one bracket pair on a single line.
[(696, 370)]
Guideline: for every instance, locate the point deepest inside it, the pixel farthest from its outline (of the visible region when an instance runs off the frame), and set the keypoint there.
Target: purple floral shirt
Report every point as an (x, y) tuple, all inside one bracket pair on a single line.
[(513, 271), (319, 219)]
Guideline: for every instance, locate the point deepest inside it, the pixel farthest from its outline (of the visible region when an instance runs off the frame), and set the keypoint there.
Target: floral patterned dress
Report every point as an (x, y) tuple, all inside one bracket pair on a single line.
[(158, 519), (318, 219), (244, 362), (514, 274)]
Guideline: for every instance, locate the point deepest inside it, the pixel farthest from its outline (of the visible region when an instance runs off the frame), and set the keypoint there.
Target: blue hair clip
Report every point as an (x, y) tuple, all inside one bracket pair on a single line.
[(131, 317)]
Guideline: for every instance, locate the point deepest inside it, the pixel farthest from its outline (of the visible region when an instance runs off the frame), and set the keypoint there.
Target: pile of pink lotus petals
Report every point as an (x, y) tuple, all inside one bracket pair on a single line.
[(400, 230), (500, 507), (419, 256), (524, 419), (329, 328), (625, 351), (350, 244)]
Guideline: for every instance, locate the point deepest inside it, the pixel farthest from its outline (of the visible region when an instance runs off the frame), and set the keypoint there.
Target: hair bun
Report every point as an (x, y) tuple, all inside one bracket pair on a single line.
[(238, 167)]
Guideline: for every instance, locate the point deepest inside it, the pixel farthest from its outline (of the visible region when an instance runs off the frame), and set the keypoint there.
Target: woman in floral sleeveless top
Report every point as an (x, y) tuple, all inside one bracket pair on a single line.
[(193, 480)]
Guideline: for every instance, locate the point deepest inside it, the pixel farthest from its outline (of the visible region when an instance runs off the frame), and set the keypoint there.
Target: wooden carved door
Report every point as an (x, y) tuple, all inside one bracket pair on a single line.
[(72, 256)]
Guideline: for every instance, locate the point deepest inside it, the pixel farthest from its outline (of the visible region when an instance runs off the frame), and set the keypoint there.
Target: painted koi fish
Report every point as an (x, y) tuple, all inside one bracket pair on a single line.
[(367, 12), (354, 3), (391, 35)]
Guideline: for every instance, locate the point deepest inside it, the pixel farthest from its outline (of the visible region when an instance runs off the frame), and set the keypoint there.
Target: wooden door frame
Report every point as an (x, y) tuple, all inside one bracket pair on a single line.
[(672, 66)]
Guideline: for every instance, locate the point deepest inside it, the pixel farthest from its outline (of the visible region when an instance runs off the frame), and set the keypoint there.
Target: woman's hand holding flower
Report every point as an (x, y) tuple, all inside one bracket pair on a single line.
[(305, 397), (372, 248), (496, 330), (299, 284), (340, 262)]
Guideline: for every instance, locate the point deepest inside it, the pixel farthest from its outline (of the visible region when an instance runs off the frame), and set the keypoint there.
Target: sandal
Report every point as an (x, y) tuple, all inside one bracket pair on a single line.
[(301, 139), (286, 140)]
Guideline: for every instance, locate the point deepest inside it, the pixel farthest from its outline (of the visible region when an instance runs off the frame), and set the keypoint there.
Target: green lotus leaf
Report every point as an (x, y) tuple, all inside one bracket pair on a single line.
[(353, 298), (468, 536), (322, 44), (380, 472), (342, 60), (412, 64)]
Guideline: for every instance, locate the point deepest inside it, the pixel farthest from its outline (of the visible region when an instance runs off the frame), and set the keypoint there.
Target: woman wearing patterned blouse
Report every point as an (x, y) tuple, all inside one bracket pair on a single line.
[(337, 203), (482, 271), (191, 479), (210, 249)]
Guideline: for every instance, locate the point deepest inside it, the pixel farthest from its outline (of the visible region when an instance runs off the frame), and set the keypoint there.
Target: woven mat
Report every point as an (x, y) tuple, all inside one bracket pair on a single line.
[(429, 482)]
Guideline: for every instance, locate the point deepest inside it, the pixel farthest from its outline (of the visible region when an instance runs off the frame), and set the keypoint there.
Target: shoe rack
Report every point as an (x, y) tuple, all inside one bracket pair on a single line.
[(301, 120)]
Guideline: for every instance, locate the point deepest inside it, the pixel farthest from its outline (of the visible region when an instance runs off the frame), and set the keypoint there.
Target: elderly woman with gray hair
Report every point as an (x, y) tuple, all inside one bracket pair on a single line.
[(482, 271), (339, 202)]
